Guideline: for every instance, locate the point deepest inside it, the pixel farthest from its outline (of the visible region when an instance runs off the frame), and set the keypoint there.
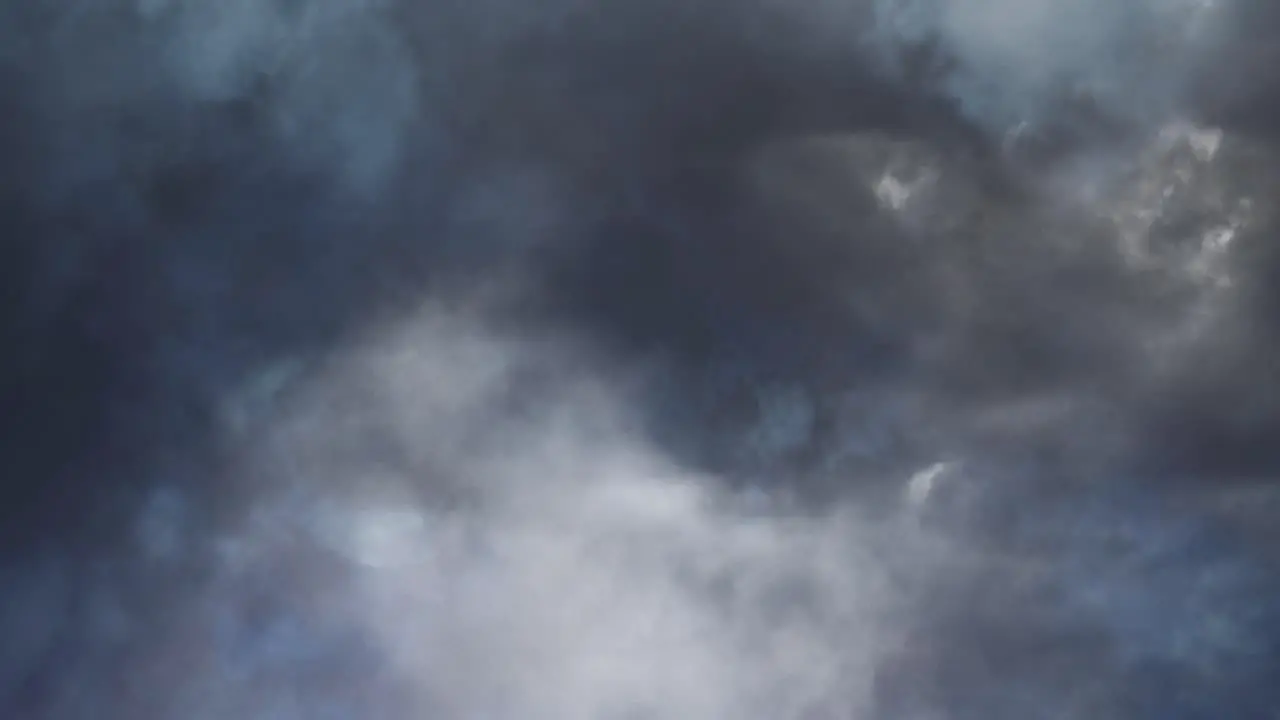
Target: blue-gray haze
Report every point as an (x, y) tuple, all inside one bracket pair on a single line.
[(696, 360)]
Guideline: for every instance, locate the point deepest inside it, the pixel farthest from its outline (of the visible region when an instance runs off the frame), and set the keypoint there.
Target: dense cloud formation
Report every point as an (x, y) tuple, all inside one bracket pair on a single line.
[(861, 359)]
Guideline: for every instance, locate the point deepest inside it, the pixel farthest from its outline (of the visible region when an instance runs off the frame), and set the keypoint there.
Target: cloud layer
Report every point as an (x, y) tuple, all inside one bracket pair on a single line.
[(865, 360)]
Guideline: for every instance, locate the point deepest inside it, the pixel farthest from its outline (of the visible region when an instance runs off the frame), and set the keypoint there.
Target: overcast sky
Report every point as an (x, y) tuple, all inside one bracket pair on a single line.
[(484, 360)]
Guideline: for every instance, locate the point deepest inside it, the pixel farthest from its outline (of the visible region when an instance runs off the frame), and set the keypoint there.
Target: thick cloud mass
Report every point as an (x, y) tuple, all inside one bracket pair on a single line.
[(860, 359)]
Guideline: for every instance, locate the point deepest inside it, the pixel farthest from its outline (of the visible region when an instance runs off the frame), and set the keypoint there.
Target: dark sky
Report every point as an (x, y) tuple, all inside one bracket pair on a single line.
[(868, 359)]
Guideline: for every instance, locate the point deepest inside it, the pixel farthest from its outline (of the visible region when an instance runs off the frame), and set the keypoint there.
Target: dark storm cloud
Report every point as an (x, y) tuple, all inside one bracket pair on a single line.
[(707, 360)]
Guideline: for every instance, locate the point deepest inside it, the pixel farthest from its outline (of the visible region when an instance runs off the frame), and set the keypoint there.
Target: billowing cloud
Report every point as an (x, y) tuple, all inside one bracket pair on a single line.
[(868, 360)]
